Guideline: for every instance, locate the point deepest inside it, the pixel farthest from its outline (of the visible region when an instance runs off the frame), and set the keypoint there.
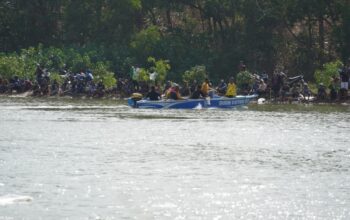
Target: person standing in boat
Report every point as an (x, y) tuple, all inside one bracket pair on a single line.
[(231, 89)]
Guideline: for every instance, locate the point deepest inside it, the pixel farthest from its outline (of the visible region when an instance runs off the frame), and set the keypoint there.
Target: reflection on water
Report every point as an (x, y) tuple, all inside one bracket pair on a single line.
[(88, 159), (12, 199)]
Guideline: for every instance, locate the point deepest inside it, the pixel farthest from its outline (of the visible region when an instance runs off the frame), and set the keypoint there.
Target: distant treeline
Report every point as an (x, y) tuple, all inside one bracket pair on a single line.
[(296, 35)]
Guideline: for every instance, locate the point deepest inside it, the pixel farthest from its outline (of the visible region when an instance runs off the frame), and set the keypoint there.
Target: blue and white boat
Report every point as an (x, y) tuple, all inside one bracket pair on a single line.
[(215, 102)]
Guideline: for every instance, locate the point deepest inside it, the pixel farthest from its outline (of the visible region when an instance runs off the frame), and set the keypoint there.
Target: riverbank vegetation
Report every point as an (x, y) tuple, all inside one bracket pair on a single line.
[(111, 36)]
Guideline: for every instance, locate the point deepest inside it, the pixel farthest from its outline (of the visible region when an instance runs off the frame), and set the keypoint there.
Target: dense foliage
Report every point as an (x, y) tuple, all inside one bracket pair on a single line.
[(244, 78), (328, 72), (111, 36), (23, 64), (195, 73)]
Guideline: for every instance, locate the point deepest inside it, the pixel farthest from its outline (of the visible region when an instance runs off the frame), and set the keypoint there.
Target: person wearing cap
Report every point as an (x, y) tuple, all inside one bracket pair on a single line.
[(231, 89)]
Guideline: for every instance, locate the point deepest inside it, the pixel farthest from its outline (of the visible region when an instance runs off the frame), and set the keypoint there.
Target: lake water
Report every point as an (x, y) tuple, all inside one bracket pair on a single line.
[(84, 159)]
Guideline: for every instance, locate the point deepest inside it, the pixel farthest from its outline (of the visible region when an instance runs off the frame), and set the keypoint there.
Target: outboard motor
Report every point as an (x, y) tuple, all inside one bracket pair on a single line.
[(134, 98)]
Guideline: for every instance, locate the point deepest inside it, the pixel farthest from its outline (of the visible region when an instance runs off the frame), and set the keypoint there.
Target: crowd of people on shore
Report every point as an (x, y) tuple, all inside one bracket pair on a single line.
[(277, 87)]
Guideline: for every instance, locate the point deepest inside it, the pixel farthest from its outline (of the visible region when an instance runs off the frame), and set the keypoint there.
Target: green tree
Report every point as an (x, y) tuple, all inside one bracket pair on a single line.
[(161, 67), (327, 72), (244, 79), (100, 21), (145, 43), (27, 23), (198, 73)]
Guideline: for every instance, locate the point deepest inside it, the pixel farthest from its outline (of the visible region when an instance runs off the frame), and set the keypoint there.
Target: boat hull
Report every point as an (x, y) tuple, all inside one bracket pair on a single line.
[(219, 102)]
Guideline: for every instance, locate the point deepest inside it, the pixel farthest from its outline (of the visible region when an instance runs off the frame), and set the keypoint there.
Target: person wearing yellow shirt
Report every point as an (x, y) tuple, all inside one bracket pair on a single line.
[(205, 87), (231, 89)]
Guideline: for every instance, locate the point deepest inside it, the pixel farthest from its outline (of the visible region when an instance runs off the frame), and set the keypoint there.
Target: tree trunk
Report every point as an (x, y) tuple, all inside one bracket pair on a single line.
[(222, 32), (321, 39), (168, 16)]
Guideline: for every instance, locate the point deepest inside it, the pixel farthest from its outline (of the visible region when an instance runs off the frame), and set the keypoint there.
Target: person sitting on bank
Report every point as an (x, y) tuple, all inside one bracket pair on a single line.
[(295, 91), (344, 81), (198, 94), (334, 88), (306, 91), (153, 95), (262, 88), (231, 89), (321, 92)]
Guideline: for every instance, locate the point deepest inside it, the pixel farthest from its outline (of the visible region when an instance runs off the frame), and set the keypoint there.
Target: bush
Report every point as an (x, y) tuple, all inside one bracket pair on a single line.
[(198, 73), (109, 81), (146, 42), (101, 72), (161, 67), (11, 66), (244, 78), (328, 71), (23, 64), (57, 77), (143, 75)]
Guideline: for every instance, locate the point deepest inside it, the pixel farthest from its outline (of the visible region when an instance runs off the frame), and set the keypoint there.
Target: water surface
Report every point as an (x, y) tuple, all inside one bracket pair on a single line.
[(99, 159)]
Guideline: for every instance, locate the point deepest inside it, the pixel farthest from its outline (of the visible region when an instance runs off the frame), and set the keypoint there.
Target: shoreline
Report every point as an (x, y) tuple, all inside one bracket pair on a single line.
[(28, 95)]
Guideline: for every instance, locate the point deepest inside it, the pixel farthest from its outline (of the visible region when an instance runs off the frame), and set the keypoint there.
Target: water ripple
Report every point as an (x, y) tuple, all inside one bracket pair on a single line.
[(88, 159)]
